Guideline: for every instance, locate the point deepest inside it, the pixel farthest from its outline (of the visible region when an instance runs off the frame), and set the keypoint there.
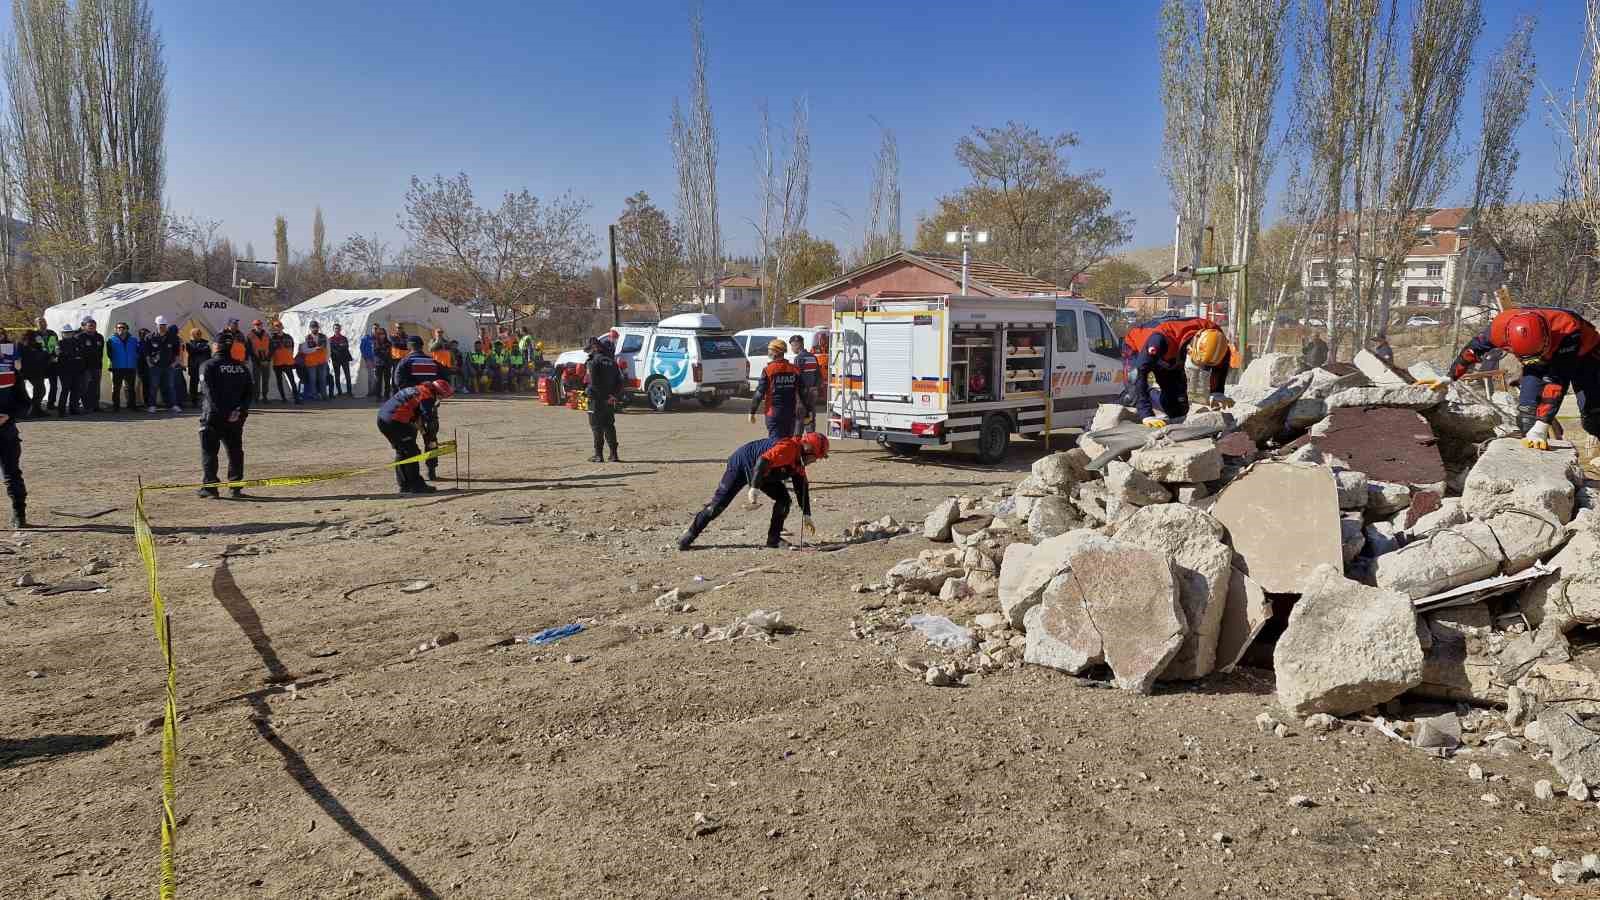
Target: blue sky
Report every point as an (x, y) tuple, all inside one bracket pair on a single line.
[(296, 104)]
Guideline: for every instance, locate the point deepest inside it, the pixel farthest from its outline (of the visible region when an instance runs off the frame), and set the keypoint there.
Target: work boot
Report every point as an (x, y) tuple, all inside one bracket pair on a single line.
[(614, 457), (207, 493), (422, 487), (236, 493), (597, 458), (686, 540), (19, 517)]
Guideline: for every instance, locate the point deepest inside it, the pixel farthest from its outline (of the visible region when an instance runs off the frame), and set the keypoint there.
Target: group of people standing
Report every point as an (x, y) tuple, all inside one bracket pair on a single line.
[(316, 368)]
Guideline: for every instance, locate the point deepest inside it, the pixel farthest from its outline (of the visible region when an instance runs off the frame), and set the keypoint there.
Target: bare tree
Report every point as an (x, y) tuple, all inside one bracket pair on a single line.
[(513, 260), (694, 153), (1190, 63), (883, 232), (367, 256), (1579, 116), (651, 252), (785, 199)]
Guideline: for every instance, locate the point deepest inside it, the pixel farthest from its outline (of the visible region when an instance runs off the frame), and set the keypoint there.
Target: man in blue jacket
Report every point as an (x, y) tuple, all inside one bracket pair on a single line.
[(123, 349)]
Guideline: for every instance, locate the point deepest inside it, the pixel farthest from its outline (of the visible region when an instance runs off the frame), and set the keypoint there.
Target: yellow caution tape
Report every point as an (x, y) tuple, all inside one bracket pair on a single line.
[(143, 536)]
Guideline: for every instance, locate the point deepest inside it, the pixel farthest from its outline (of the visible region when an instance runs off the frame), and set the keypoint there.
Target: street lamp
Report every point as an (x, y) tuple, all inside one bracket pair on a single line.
[(966, 237)]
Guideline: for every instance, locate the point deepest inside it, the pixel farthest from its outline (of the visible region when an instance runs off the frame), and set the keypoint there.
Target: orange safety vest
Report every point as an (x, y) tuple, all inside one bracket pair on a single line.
[(259, 344), (398, 349), (317, 357), (236, 350), (284, 354), (442, 357)]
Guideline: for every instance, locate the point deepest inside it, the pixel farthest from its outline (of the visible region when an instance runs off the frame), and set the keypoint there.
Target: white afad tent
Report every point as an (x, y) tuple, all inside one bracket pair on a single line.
[(182, 303), (418, 310)]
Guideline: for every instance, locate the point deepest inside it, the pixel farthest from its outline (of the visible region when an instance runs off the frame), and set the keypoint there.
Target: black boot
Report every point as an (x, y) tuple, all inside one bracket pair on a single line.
[(614, 457), (208, 493), (701, 520), (19, 516)]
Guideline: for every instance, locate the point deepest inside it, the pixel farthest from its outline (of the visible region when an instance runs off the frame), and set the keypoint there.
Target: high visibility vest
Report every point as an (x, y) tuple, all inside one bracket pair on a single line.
[(500, 359), (442, 357), (478, 359), (317, 356), (397, 350), (259, 344), (283, 354), (236, 350)]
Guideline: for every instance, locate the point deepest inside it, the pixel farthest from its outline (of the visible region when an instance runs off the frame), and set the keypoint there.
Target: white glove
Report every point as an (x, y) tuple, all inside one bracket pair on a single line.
[(750, 496), (1538, 437)]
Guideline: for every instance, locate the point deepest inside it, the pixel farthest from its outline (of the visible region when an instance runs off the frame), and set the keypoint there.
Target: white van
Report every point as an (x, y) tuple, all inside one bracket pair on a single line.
[(687, 355), (753, 344), (969, 372)]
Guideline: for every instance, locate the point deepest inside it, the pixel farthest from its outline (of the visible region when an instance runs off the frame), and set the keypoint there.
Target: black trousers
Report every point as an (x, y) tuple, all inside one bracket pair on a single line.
[(122, 381), (36, 393), (213, 437), (194, 381), (385, 380), (733, 481), (286, 373), (603, 424), (55, 388), (89, 389), (341, 375), (430, 440), (11, 465), (1171, 394), (147, 388), (402, 437), (67, 399), (262, 373)]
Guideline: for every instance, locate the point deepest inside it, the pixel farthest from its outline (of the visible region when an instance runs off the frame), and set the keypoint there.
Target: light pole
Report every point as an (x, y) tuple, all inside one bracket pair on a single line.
[(966, 237)]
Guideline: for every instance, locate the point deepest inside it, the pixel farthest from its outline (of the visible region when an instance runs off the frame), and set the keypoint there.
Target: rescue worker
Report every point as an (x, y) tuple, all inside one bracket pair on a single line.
[(399, 418), (414, 369), (1157, 350), (380, 381), (259, 344), (198, 351), (805, 362), (13, 405), (500, 367), (69, 365), (1558, 349), (92, 352), (478, 367), (439, 349), (313, 352), (240, 353), (459, 379), (226, 387), (778, 393), (763, 465), (339, 356), (283, 357), (605, 394)]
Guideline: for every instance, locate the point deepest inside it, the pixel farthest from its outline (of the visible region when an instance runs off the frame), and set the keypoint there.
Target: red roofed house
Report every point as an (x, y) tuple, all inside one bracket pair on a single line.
[(912, 273)]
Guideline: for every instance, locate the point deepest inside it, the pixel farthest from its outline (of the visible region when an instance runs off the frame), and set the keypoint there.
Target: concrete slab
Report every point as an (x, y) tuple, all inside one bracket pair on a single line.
[(1346, 647), (1387, 444), (1283, 522), (1247, 612)]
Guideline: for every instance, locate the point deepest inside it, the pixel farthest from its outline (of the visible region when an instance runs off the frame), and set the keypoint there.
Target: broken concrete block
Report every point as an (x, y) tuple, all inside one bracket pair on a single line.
[(1026, 570), (1306, 412), (1441, 732), (1191, 493), (970, 531), (1386, 444), (1248, 610), (1346, 647), (1467, 418), (1202, 562), (1423, 370), (936, 527), (1352, 537), (1261, 414), (1511, 476), (1570, 598), (1448, 514), (1574, 746), (1458, 663), (1283, 521), (1270, 370), (1378, 371), (920, 575), (1189, 461), (1406, 396), (1059, 471), (1132, 487), (1525, 538), (1325, 384), (1447, 558), (1052, 516), (1385, 498), (1109, 415), (955, 589), (1060, 634), (1032, 486), (1351, 487), (1093, 501)]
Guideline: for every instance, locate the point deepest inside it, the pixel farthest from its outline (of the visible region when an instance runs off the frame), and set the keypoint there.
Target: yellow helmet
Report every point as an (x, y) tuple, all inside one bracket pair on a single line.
[(1209, 348), (778, 345)]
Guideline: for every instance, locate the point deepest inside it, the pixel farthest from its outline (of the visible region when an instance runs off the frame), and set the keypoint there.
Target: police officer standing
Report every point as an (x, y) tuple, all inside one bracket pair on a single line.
[(13, 404), (604, 392), (226, 387), (92, 352), (417, 368), (69, 366)]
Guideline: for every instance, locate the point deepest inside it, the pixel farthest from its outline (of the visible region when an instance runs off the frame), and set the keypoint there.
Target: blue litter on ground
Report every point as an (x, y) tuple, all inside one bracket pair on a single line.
[(551, 635)]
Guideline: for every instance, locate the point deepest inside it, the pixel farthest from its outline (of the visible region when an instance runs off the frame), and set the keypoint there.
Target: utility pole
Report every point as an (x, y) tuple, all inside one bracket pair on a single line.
[(1242, 326), (966, 237), (616, 292)]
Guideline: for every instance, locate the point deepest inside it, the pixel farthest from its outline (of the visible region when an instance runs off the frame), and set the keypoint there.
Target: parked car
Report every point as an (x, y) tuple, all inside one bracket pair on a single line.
[(753, 344), (687, 355), (1422, 321)]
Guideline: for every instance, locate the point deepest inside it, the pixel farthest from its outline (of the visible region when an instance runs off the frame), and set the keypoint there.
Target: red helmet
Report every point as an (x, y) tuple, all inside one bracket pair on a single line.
[(815, 444), (1528, 336), (441, 388)]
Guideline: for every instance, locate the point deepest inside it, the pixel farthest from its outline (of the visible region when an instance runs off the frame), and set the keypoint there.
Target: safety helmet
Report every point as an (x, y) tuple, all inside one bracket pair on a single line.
[(441, 388), (538, 345), (815, 444), (1208, 348), (778, 345), (1528, 337)]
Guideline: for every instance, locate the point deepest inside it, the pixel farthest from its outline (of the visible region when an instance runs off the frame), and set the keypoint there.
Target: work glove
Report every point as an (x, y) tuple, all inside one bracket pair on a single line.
[(806, 528), (1438, 384), (752, 418), (1155, 422), (1220, 401), (750, 497), (1538, 437)]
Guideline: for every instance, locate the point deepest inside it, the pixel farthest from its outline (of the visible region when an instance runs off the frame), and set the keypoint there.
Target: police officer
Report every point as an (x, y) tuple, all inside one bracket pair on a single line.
[(778, 393), (92, 353), (605, 392), (805, 362), (69, 368), (226, 388), (398, 420), (1558, 350), (1157, 351), (763, 465), (417, 368), (13, 405)]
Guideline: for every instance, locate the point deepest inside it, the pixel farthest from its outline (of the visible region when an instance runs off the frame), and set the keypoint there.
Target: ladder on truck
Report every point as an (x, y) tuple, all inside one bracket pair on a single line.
[(842, 358)]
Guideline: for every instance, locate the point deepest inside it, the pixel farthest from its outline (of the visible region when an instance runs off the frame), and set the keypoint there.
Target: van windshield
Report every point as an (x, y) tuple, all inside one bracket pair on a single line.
[(719, 348)]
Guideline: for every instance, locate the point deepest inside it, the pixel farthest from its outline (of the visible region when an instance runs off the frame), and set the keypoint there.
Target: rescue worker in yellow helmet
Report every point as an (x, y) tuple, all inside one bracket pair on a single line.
[(1157, 350)]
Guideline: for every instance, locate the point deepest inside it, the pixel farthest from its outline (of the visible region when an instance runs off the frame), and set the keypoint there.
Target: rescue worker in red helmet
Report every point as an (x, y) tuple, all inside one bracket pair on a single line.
[(1157, 349), (780, 393), (417, 368), (763, 465), (399, 419), (1558, 349)]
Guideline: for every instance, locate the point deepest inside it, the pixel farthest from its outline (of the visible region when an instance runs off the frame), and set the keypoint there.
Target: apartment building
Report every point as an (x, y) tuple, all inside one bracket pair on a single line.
[(1445, 244)]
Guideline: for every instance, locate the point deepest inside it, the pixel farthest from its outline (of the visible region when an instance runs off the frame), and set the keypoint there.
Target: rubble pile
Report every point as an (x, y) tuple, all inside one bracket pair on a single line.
[(1406, 546)]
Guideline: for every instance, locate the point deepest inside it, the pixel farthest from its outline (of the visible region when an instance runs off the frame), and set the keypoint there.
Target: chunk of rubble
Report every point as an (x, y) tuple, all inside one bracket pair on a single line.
[(1202, 562), (1442, 732), (1467, 417), (1405, 396), (1448, 514), (1385, 498), (920, 575), (1458, 662), (1059, 471), (1574, 745), (1351, 487), (1190, 461), (1448, 558), (1026, 570), (1511, 476), (1352, 536), (1386, 444), (1110, 415), (1325, 383), (1270, 370), (1117, 595), (1261, 413), (1378, 371), (1052, 516), (1346, 647), (1189, 494), (1248, 610), (1525, 538), (1129, 486), (937, 526), (1283, 522), (1306, 412), (1570, 598)]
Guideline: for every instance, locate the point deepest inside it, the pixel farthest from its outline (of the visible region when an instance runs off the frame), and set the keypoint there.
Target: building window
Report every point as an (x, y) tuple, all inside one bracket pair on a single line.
[(1435, 270)]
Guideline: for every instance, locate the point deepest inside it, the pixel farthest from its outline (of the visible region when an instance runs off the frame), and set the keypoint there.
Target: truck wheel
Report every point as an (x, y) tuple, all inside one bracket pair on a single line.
[(994, 439), (711, 401), (896, 448), (659, 393)]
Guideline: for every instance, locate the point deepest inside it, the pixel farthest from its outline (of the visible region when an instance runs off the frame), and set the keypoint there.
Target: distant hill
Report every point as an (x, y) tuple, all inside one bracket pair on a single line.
[(1155, 260)]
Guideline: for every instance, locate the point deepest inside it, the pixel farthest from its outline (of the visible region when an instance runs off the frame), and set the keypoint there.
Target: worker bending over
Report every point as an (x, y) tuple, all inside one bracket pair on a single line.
[(763, 465), (1558, 350), (1157, 351), (778, 392), (399, 419), (420, 368)]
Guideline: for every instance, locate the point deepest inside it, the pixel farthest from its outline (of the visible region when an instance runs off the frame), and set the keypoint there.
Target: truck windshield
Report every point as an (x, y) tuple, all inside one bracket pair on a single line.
[(719, 348)]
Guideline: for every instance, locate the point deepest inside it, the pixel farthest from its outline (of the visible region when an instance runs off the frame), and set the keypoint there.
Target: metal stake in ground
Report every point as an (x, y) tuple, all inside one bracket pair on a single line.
[(455, 462)]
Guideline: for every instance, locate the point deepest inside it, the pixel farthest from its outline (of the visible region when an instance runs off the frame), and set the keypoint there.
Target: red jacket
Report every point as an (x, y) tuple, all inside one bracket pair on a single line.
[(1574, 342)]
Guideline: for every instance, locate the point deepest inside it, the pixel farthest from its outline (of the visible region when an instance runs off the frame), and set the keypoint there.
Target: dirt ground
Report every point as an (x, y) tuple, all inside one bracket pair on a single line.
[(321, 758)]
